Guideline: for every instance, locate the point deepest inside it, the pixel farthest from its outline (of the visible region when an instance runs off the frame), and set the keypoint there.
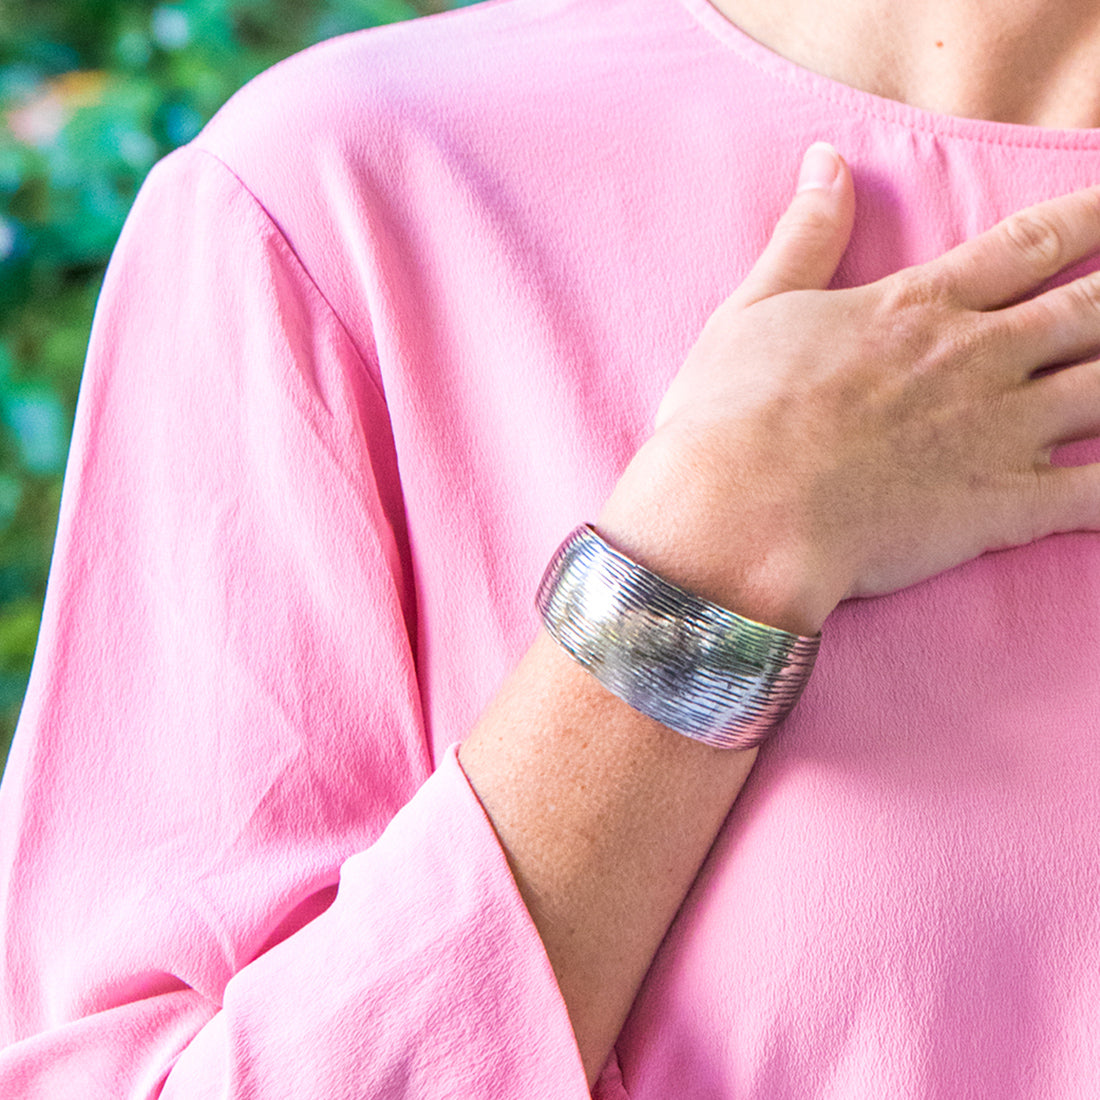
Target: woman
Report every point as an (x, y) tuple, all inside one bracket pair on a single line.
[(368, 350)]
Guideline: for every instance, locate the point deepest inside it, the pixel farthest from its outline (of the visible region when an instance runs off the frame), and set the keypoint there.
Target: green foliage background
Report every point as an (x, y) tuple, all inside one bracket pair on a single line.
[(92, 94)]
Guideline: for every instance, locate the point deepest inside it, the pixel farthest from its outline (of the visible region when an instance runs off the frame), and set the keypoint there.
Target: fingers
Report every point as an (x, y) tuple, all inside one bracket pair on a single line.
[(1069, 500), (1060, 326), (811, 236), (1067, 404), (1020, 253)]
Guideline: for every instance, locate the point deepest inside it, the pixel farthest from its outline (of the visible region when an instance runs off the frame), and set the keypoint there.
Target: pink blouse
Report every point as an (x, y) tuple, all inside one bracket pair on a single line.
[(368, 349)]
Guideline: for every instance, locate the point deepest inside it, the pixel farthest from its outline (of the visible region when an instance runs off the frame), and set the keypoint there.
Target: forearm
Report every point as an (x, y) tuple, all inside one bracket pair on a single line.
[(605, 816)]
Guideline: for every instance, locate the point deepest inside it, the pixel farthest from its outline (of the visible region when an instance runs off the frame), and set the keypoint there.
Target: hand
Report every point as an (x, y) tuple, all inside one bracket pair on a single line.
[(823, 444)]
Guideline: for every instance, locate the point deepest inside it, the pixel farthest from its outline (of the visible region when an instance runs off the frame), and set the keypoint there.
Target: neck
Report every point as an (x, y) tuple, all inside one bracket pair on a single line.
[(1033, 62)]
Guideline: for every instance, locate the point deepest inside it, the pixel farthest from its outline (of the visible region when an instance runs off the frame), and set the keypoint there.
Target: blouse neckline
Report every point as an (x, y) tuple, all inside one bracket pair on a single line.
[(877, 107)]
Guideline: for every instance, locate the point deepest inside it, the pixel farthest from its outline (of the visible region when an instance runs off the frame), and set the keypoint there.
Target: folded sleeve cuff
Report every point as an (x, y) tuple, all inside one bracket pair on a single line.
[(426, 977)]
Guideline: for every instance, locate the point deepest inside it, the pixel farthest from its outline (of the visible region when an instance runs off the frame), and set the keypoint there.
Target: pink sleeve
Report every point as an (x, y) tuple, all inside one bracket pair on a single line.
[(226, 868)]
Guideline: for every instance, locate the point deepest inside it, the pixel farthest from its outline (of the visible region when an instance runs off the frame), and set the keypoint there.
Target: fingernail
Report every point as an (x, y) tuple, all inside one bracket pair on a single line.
[(820, 167)]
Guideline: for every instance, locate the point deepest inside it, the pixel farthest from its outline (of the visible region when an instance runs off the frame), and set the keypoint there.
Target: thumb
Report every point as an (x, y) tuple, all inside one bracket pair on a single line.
[(812, 234)]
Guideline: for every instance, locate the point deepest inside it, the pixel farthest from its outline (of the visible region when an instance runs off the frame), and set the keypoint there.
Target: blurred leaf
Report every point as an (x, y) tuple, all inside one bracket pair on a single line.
[(18, 634), (35, 418)]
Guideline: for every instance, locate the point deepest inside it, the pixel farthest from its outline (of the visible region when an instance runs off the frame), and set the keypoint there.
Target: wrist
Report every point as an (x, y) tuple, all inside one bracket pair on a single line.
[(730, 546)]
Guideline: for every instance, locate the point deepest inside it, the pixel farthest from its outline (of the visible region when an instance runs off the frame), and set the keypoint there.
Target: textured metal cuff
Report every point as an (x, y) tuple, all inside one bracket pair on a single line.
[(694, 666)]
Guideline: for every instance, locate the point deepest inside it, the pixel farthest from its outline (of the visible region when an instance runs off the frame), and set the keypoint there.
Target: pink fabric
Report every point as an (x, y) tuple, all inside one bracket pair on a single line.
[(368, 349)]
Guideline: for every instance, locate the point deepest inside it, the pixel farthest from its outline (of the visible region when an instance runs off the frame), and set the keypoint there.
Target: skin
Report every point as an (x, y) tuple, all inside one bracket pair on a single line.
[(1032, 62), (605, 815)]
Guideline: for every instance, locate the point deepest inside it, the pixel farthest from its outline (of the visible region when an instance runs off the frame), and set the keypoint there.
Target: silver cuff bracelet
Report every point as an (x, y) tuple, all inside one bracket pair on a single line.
[(694, 666)]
